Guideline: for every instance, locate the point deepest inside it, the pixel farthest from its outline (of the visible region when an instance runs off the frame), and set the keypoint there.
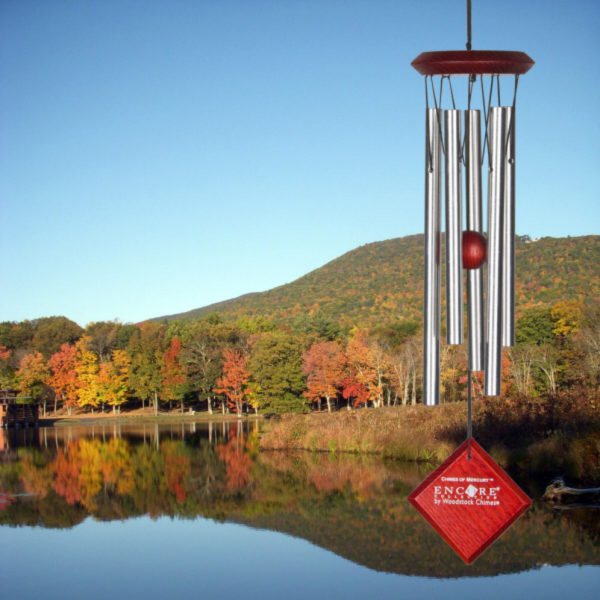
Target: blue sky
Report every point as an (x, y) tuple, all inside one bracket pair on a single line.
[(157, 156)]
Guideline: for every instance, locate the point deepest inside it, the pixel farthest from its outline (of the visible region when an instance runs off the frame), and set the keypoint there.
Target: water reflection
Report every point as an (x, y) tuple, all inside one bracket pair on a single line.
[(353, 506)]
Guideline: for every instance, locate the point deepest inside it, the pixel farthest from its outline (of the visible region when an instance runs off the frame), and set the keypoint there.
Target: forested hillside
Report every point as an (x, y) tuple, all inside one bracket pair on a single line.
[(383, 281)]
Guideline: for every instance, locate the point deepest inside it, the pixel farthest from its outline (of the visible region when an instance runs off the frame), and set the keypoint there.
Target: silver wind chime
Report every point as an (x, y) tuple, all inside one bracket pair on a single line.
[(448, 148)]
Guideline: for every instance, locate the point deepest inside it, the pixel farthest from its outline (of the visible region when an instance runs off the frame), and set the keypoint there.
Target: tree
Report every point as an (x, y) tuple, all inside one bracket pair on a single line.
[(86, 367), (103, 338), (324, 366), (173, 372), (275, 364), (522, 359), (234, 378), (52, 332), (567, 316), (113, 380), (32, 376), (452, 369), (203, 364), (6, 372), (404, 365), (63, 378), (146, 349), (546, 359), (351, 388), (589, 340), (535, 326), (366, 367)]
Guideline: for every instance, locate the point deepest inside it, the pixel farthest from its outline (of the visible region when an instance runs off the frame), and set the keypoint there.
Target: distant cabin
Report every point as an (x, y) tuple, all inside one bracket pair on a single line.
[(17, 415)]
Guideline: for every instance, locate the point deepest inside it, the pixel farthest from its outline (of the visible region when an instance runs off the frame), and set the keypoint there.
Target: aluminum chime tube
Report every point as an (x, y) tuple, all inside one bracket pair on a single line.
[(433, 218), (474, 223), (454, 274), (508, 250), (496, 185)]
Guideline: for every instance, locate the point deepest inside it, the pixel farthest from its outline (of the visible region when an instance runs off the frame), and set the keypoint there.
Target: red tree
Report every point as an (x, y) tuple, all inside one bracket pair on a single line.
[(63, 378), (324, 365), (173, 373), (356, 390), (234, 379)]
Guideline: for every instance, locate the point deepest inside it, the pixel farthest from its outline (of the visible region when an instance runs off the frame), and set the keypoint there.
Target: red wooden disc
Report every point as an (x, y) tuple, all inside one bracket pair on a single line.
[(476, 62)]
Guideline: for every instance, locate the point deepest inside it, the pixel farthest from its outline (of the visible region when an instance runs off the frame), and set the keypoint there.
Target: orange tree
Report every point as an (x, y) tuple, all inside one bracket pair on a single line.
[(235, 376), (63, 377), (324, 365)]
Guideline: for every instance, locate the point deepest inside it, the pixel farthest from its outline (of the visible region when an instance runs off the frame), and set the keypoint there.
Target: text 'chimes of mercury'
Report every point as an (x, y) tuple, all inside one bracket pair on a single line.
[(496, 181), (454, 276), (474, 223), (433, 218)]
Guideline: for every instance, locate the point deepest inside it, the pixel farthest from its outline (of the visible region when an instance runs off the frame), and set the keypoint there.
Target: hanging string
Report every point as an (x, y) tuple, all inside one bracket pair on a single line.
[(451, 92), (511, 125), (469, 412), (472, 79), (437, 111), (428, 153), (498, 88), (486, 113)]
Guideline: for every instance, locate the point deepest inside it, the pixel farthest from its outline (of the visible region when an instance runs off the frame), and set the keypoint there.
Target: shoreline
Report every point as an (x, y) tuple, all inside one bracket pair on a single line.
[(135, 417)]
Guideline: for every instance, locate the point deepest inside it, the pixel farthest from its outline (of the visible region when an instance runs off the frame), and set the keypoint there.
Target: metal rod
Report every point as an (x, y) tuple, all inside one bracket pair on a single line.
[(433, 218), (476, 335), (493, 354), (508, 250), (454, 270), (468, 24)]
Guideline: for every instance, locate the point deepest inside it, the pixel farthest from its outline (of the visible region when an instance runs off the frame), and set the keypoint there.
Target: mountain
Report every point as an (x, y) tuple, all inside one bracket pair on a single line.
[(383, 281)]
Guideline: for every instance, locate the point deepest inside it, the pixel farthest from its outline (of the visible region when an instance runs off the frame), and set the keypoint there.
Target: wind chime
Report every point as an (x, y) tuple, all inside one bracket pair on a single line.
[(469, 500)]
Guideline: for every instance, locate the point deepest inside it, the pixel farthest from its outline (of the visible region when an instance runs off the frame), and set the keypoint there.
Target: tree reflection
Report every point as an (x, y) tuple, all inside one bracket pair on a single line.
[(353, 505)]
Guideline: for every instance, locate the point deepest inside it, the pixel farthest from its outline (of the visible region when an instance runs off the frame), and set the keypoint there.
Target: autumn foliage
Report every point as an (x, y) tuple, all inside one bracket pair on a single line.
[(234, 378), (325, 369)]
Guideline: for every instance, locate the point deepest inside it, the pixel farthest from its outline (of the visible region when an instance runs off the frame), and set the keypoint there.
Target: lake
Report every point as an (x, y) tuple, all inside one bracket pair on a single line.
[(187, 510)]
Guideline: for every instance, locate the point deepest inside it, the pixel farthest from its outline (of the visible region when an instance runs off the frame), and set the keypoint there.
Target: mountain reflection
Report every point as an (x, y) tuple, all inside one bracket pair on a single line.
[(354, 506)]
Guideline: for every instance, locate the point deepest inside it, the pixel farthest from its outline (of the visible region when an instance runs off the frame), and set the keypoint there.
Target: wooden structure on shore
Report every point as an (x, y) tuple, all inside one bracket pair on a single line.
[(17, 415)]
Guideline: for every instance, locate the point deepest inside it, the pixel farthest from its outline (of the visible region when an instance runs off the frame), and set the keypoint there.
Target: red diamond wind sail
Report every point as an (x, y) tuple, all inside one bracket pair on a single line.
[(470, 502)]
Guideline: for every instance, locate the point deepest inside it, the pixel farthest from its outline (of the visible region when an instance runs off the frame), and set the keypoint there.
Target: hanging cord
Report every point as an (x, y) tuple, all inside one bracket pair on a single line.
[(486, 113), (468, 24), (469, 412), (472, 79), (451, 92), (485, 118), (427, 141), (437, 111), (498, 88), (511, 125)]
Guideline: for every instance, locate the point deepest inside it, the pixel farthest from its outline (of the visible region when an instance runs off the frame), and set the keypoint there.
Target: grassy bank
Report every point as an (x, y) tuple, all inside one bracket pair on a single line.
[(549, 436)]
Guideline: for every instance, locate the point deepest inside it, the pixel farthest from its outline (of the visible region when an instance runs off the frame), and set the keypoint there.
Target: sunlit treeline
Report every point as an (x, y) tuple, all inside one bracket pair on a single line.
[(252, 365)]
